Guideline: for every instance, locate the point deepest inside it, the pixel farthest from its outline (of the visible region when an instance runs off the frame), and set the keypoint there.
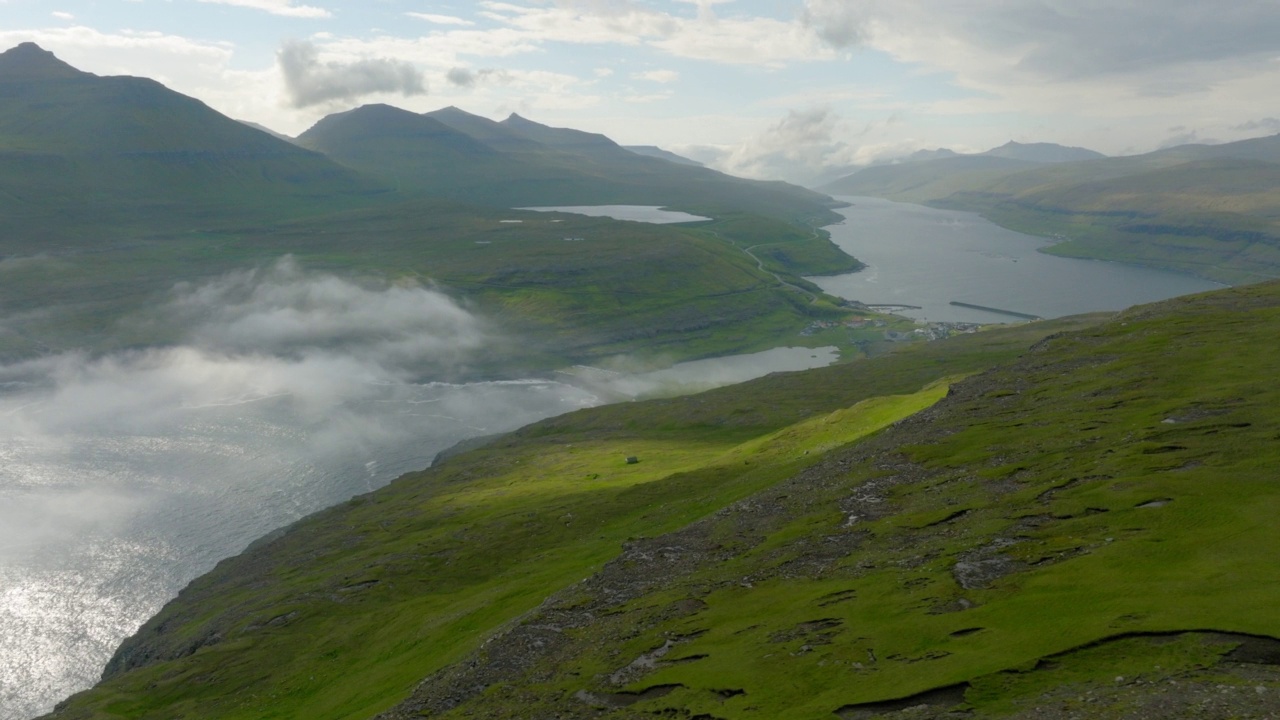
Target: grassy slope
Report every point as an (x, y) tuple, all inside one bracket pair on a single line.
[(343, 614), (1012, 539)]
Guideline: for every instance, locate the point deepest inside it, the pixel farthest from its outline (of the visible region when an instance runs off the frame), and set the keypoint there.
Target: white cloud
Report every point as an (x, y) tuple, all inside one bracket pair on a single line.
[(658, 76), (736, 40), (440, 19), (650, 98), (797, 148), (284, 8), (63, 15)]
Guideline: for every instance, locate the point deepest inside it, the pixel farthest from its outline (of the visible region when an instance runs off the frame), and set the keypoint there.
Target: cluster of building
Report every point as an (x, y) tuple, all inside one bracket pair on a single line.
[(855, 324)]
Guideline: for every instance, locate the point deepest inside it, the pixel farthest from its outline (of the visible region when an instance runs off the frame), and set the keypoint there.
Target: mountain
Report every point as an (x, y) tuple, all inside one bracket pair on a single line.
[(28, 62), (1043, 152), (518, 162), (411, 150), (657, 152), (263, 128), (490, 132), (97, 148), (937, 154), (1065, 519), (925, 179), (932, 174)]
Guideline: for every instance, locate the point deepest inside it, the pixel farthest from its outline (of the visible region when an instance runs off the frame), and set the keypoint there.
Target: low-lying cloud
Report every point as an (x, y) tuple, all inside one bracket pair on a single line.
[(309, 81), (282, 311), (126, 475)]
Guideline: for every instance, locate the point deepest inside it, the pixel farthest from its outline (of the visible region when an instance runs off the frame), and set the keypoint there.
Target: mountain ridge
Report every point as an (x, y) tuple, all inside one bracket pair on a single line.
[(535, 164)]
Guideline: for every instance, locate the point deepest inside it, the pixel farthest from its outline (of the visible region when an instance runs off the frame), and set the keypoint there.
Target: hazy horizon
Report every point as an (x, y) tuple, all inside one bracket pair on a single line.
[(792, 90)]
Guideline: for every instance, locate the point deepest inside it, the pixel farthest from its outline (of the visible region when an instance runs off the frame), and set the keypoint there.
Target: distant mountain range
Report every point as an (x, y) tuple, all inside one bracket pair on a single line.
[(1042, 153)]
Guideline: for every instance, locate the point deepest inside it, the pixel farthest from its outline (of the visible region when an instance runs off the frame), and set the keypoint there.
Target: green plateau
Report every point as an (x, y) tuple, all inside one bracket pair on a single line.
[(1070, 517)]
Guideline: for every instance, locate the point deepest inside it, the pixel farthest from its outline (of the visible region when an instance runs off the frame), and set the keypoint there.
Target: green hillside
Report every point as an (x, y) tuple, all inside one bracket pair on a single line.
[(1210, 210), (1083, 531), (343, 615)]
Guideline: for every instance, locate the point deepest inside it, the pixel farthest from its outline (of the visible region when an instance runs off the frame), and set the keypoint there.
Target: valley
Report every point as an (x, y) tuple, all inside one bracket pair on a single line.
[(1208, 210)]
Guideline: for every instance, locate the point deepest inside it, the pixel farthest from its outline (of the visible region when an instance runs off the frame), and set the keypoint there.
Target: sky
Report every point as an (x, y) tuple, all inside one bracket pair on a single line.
[(792, 89)]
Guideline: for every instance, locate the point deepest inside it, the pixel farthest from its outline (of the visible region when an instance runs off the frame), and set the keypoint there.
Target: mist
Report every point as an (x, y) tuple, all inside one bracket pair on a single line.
[(123, 477)]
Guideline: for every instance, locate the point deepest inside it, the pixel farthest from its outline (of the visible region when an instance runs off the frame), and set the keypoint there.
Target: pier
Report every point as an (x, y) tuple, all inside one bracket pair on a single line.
[(891, 306), (1012, 313)]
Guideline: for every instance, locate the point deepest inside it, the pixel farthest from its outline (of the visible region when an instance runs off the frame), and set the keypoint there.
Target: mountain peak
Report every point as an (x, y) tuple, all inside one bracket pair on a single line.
[(1042, 152), (29, 60)]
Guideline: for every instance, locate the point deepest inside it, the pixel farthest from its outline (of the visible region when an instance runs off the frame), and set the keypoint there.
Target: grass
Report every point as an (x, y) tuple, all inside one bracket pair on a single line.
[(843, 584)]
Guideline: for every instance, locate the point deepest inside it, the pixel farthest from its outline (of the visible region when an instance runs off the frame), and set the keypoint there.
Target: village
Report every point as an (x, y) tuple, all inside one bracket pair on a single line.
[(926, 331)]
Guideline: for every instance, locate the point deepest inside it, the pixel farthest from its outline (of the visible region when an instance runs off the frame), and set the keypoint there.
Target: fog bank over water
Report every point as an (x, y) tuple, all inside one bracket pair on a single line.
[(124, 477)]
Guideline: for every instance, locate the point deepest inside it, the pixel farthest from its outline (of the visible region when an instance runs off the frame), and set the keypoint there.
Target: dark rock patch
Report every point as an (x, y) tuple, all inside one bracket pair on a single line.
[(936, 698)]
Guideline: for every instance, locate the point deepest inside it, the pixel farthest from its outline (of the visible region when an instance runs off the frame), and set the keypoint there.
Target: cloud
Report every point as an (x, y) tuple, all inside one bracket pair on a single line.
[(127, 475), (798, 148), (838, 22), (63, 15), (726, 40), (658, 76), (1052, 39), (467, 78), (440, 19), (284, 8), (309, 82), (284, 312), (1268, 125), (641, 99), (1185, 136)]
